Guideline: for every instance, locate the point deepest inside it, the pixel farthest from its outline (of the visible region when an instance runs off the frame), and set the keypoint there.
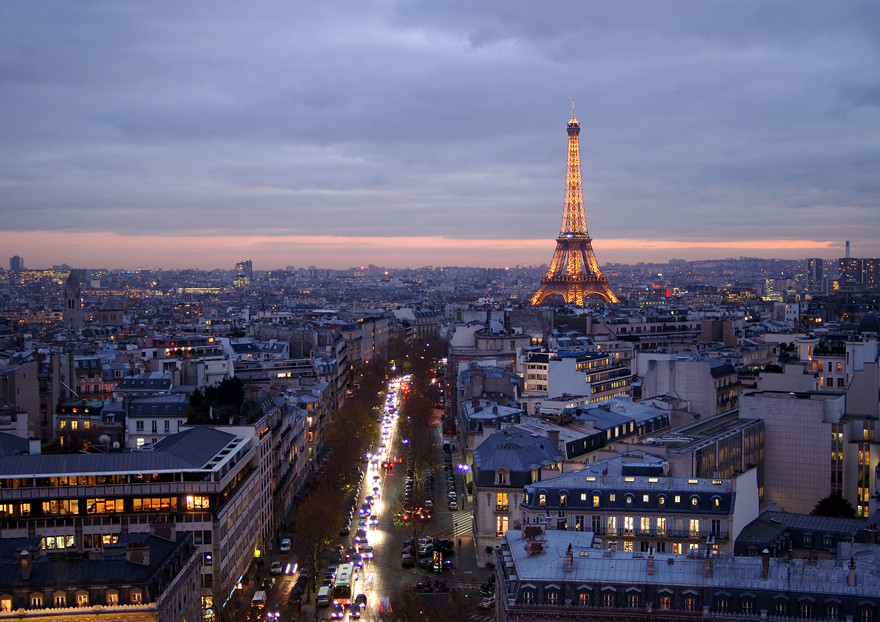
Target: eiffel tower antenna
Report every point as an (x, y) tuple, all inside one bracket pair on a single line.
[(574, 272)]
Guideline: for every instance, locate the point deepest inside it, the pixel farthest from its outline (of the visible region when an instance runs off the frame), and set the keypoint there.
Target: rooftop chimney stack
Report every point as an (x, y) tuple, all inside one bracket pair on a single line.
[(25, 562), (765, 564), (651, 563), (851, 577)]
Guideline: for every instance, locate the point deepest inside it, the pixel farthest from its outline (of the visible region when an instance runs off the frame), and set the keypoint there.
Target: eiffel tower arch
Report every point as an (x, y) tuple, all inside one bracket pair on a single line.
[(574, 272)]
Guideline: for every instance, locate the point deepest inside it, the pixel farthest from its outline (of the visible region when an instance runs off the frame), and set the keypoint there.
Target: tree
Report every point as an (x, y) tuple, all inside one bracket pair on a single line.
[(834, 505)]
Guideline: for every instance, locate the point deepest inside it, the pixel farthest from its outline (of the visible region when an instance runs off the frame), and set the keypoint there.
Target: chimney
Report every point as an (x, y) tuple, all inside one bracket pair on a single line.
[(651, 563), (707, 568), (34, 447), (25, 561), (851, 577), (765, 564), (138, 553), (569, 559)]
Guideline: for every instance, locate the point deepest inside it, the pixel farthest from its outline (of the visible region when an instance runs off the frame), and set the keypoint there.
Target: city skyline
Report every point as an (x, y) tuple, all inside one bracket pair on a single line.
[(401, 135)]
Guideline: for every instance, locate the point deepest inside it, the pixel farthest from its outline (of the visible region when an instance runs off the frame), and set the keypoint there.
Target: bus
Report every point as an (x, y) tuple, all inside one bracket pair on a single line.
[(343, 583)]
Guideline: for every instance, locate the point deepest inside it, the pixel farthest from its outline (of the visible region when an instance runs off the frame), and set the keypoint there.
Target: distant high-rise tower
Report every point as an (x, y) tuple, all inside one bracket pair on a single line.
[(574, 272), (16, 264), (815, 274), (244, 273), (73, 312)]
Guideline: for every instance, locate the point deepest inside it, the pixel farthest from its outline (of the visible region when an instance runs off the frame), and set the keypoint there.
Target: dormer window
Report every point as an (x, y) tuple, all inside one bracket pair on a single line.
[(502, 477)]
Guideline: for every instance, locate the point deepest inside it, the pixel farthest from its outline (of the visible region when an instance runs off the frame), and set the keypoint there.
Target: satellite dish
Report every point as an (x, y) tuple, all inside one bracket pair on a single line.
[(115, 444), (104, 439)]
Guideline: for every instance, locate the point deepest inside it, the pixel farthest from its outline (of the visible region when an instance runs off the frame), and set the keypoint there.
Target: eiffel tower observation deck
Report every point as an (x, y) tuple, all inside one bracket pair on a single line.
[(574, 272)]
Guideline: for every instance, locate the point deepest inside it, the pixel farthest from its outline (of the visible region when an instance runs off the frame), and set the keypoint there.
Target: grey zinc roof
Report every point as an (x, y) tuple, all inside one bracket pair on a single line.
[(598, 568), (184, 451), (515, 451), (48, 571)]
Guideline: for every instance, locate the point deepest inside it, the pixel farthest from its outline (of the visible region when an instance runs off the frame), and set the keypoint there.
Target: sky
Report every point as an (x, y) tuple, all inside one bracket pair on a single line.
[(412, 133)]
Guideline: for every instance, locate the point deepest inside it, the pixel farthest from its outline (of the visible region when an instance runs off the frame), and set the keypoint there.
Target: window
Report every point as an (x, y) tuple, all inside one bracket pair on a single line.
[(82, 599), (542, 499), (661, 525), (661, 500), (579, 523), (562, 499), (197, 502), (112, 599), (612, 525), (552, 598), (60, 600), (806, 610), (501, 525), (665, 602), (690, 603), (584, 599), (694, 528), (528, 597), (628, 525), (36, 601), (867, 614), (104, 506), (632, 600), (677, 499), (608, 599), (781, 607), (139, 426), (501, 478), (207, 559), (646, 498), (595, 501), (61, 507), (154, 426), (612, 497), (501, 502), (716, 527), (695, 501), (135, 597), (748, 606), (6, 604), (645, 524), (721, 605), (167, 425), (596, 524)]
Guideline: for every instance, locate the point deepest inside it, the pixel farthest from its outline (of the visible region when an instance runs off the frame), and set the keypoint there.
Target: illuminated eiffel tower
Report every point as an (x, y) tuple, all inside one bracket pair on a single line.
[(574, 272)]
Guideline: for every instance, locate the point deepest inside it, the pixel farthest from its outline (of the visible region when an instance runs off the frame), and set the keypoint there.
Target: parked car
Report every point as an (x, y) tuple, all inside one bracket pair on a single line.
[(407, 560), (453, 506), (276, 568)]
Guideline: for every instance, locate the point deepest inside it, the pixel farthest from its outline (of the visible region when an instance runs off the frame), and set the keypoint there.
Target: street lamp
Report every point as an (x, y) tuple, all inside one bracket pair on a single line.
[(464, 468)]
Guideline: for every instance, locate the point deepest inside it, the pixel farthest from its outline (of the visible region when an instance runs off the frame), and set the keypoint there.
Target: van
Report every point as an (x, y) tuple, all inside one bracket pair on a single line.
[(322, 599), (259, 599)]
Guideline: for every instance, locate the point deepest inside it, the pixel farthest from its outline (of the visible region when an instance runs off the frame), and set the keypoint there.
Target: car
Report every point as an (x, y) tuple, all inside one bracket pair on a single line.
[(361, 535), (423, 585), (337, 611), (374, 521), (453, 506), (345, 529), (407, 560), (426, 550), (360, 600), (362, 523), (366, 551), (487, 603), (285, 545), (369, 499), (354, 614), (376, 491), (425, 563)]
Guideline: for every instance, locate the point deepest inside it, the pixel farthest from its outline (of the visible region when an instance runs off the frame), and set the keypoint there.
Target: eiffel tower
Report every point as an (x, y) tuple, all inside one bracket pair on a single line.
[(574, 272)]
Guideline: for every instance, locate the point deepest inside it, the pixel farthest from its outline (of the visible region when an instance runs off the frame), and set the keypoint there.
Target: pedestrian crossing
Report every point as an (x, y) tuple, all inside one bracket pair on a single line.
[(462, 524)]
